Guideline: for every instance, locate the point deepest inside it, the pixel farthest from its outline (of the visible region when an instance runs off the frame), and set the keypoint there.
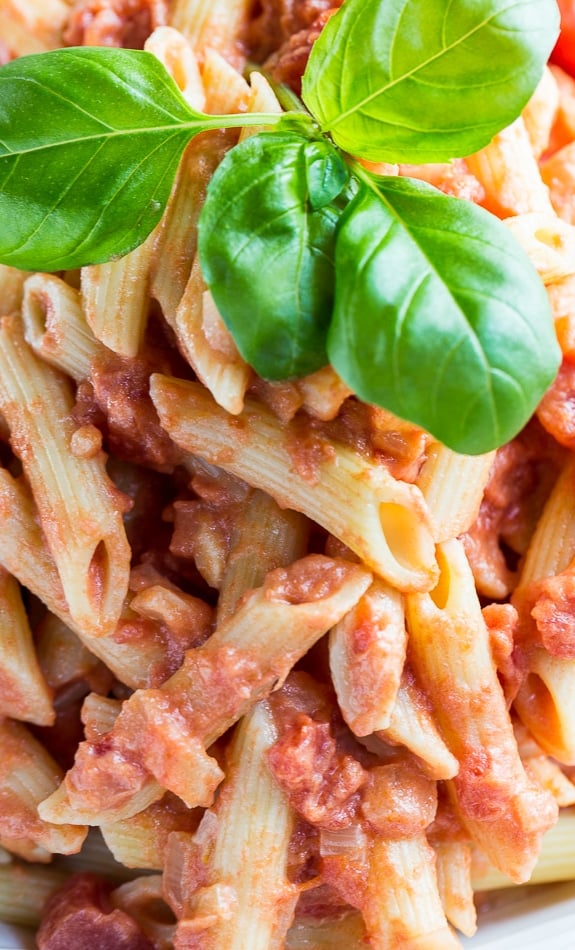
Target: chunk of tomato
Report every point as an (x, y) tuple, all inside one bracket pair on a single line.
[(564, 52)]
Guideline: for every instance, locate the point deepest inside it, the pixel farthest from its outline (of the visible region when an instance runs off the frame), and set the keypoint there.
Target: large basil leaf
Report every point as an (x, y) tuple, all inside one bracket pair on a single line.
[(266, 240), (426, 80), (439, 316), (90, 140)]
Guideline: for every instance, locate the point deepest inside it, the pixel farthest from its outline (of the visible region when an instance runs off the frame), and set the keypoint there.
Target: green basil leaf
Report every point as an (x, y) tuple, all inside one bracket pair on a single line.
[(90, 140), (266, 239), (426, 80), (439, 315)]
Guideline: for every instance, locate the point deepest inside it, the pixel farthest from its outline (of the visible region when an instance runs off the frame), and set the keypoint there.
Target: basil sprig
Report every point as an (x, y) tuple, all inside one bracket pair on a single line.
[(423, 303)]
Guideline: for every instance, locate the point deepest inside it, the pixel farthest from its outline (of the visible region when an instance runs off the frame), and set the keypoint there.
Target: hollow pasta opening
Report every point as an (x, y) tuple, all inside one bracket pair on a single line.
[(402, 531), (441, 591), (38, 311), (538, 710), (99, 578)]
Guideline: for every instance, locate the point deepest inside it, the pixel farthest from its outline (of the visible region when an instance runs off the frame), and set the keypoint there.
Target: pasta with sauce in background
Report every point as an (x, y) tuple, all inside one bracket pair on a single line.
[(277, 668)]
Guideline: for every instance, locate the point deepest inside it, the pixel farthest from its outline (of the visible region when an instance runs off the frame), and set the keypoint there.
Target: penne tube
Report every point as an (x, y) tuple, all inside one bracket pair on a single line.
[(503, 811), (265, 537), (226, 89), (99, 714), (23, 552), (188, 618), (33, 26), (548, 241), (552, 546), (140, 841), (142, 899), (95, 858), (28, 775), (555, 863), (79, 507), (564, 126), (323, 393), (176, 234), (540, 112), (246, 857), (558, 173), (454, 884), (11, 289), (176, 238), (24, 890), (263, 99), (68, 666), (208, 346), (60, 809), (413, 726), (202, 336), (24, 693), (163, 733), (115, 299), (23, 549), (547, 773), (509, 173), (402, 902), (561, 294), (55, 325), (212, 24), (203, 527), (546, 700), (175, 53), (546, 704), (453, 487), (366, 657), (383, 520)]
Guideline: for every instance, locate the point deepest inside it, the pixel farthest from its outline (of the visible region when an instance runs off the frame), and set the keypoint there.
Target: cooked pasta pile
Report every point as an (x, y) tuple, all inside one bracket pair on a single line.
[(310, 673)]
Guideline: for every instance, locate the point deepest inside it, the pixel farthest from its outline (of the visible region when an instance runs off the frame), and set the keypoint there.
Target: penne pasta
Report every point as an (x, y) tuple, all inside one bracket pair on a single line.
[(413, 725), (508, 171), (24, 553), (96, 788), (454, 885), (115, 299), (55, 325), (450, 652), (367, 655), (278, 669), (88, 545), (28, 775), (453, 487), (11, 289), (212, 23), (548, 687), (396, 910), (245, 857), (555, 863), (25, 694), (385, 521), (24, 890), (32, 26)]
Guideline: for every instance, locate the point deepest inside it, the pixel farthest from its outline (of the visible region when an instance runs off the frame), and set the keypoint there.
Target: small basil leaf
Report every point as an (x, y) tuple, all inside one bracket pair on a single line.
[(90, 140), (326, 174), (439, 315), (426, 80), (266, 239)]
